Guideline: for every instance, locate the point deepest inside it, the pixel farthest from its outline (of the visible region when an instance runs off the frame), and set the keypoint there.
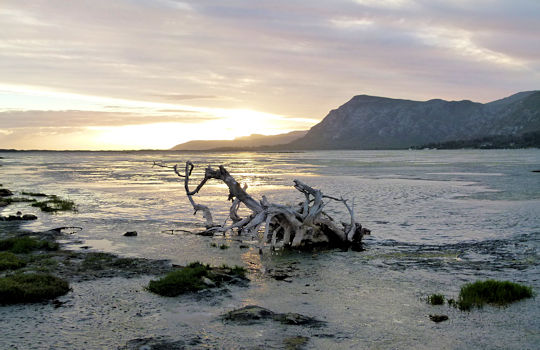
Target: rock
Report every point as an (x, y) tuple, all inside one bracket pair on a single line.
[(207, 281), (29, 217), (160, 343), (252, 314), (295, 343), (130, 234), (438, 318), (292, 318), (243, 246), (4, 192), (280, 276), (248, 314)]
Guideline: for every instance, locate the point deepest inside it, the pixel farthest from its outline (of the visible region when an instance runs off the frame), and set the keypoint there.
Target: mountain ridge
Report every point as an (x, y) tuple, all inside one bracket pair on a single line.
[(372, 122), (242, 142)]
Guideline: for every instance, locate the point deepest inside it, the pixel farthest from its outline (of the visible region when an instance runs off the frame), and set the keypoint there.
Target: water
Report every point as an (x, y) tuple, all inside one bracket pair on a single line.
[(439, 219)]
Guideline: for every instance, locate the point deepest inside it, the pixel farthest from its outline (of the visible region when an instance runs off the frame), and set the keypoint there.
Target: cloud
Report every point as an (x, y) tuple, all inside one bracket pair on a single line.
[(292, 58), (180, 97), (81, 119)]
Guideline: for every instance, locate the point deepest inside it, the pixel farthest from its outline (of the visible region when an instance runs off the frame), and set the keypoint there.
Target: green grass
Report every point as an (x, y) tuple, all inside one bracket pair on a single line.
[(187, 279), (190, 279), (10, 261), (29, 288), (54, 204), (24, 245), (223, 247), (436, 299), (96, 261), (493, 292)]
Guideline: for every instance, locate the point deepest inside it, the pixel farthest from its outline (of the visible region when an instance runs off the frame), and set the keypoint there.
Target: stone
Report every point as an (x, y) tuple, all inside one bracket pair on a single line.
[(29, 217), (130, 234), (4, 192), (252, 314), (248, 314), (438, 318), (207, 281), (295, 343)]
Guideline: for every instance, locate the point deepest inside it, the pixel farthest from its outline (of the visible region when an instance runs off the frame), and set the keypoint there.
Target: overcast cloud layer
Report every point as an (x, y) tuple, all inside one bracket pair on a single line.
[(290, 58)]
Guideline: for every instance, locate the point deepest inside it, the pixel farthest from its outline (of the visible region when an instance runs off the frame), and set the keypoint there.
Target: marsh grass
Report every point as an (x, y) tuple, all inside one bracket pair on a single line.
[(29, 288), (192, 278), (493, 292), (10, 261), (187, 279), (25, 245), (97, 261), (435, 299), (54, 204)]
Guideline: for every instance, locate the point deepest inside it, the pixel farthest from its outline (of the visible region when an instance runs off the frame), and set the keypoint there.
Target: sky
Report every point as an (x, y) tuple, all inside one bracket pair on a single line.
[(150, 74)]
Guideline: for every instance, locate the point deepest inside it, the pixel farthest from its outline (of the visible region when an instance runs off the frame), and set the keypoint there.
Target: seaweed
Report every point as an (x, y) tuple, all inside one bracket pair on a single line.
[(54, 204)]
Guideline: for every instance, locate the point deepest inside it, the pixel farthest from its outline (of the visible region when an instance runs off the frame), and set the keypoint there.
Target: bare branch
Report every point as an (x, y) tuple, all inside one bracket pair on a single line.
[(301, 228)]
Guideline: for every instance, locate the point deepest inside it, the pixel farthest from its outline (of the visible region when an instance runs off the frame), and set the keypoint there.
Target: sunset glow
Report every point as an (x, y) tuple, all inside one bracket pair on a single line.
[(153, 74)]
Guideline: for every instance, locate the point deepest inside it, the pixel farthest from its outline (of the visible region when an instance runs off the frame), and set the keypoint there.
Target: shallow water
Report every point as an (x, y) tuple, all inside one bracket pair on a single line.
[(439, 219)]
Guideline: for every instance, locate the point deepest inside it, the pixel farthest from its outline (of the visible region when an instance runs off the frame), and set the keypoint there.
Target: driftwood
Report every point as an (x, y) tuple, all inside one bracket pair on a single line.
[(301, 227)]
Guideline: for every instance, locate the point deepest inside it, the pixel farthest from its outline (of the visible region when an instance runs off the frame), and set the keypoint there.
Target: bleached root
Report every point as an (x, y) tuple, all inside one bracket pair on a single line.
[(301, 227)]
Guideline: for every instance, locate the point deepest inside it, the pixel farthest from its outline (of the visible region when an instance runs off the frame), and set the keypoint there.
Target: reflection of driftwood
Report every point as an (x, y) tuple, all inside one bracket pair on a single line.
[(284, 226)]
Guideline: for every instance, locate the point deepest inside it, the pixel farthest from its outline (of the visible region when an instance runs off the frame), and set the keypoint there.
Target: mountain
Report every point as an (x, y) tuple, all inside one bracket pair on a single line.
[(370, 122), (254, 140)]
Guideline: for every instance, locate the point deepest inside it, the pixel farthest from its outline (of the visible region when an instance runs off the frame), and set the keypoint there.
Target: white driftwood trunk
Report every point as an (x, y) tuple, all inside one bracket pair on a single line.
[(301, 227)]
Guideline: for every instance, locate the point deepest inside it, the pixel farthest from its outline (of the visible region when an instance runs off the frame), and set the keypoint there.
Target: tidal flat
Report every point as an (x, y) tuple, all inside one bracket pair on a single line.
[(439, 220)]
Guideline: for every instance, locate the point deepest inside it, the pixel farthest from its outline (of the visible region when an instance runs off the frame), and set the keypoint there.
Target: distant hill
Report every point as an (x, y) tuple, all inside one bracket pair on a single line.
[(252, 141), (370, 122)]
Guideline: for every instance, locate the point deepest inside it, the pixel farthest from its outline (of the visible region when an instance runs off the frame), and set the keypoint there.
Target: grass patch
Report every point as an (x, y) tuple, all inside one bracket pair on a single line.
[(435, 299), (97, 261), (188, 279), (192, 278), (54, 204), (223, 247), (29, 288), (491, 292), (24, 245), (10, 261)]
